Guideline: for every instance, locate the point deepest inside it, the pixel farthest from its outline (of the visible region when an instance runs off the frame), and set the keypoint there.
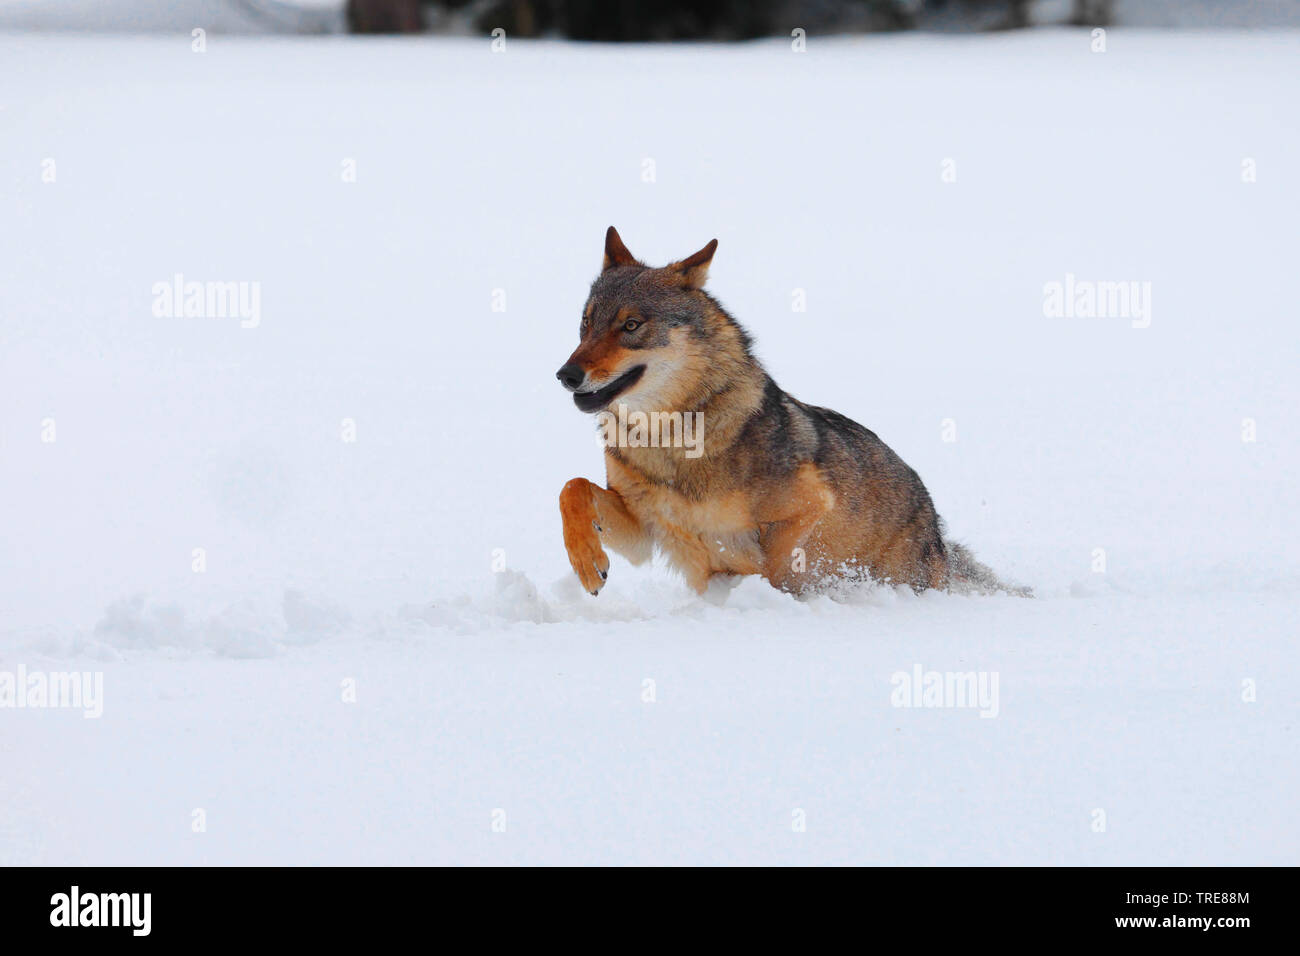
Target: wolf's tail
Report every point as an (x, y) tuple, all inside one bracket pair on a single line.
[(967, 575)]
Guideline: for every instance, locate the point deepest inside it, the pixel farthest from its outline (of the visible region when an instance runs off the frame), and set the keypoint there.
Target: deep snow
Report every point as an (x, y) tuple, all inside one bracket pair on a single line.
[(372, 561)]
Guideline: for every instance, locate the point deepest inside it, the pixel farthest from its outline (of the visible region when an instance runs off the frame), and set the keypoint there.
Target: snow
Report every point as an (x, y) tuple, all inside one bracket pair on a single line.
[(175, 16), (349, 680)]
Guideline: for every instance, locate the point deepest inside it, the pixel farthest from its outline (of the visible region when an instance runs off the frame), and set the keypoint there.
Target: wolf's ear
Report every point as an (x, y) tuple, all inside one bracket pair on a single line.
[(616, 253), (695, 269)]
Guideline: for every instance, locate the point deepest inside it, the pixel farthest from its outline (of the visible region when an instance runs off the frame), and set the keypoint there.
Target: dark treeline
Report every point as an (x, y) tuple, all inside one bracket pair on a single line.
[(663, 20)]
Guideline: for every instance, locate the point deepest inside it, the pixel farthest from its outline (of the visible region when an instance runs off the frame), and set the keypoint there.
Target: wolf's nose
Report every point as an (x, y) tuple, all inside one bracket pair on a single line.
[(571, 376)]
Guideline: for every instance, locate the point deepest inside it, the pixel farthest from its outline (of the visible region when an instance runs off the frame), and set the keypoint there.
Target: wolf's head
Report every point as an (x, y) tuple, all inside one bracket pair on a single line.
[(652, 338)]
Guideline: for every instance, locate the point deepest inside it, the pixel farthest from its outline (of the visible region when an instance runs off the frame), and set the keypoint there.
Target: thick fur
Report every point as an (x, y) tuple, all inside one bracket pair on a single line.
[(799, 494)]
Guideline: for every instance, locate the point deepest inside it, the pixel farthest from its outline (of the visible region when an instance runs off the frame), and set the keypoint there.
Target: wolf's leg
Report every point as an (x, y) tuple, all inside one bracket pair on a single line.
[(689, 556), (786, 524), (780, 542), (590, 511)]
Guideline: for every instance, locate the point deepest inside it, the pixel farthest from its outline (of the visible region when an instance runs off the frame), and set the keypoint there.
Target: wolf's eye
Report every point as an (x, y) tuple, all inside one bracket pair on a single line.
[(631, 325)]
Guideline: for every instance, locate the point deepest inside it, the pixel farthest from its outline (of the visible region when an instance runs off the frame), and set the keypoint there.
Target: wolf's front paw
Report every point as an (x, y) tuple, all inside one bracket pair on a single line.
[(582, 535), (588, 559)]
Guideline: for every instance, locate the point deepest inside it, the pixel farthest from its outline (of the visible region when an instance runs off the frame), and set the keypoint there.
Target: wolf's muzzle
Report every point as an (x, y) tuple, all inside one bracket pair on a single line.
[(571, 376), (599, 398)]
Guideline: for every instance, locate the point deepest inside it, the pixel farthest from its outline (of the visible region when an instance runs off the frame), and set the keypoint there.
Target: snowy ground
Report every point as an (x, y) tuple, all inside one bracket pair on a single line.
[(487, 696)]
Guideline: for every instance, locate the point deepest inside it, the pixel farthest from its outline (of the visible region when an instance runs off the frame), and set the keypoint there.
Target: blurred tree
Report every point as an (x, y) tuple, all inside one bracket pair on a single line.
[(651, 20), (1016, 14), (385, 16), (660, 20), (1092, 13), (633, 20)]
